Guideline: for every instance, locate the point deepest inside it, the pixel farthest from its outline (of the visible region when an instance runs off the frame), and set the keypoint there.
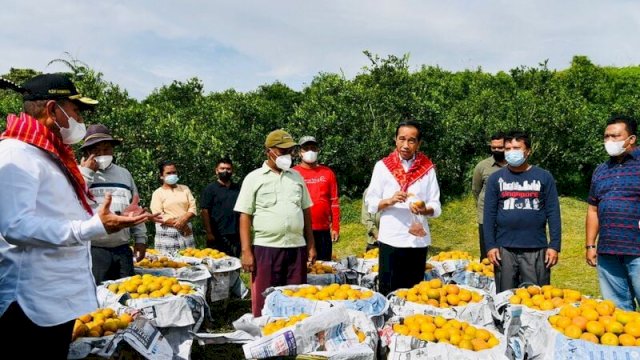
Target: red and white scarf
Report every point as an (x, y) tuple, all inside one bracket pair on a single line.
[(27, 129), (420, 167)]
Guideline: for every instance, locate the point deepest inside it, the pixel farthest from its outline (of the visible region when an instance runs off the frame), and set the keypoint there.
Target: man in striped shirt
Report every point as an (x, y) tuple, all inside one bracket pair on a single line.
[(613, 215)]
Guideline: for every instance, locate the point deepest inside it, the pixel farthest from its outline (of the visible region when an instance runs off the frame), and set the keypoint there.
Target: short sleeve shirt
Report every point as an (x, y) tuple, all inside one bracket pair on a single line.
[(615, 190), (276, 202)]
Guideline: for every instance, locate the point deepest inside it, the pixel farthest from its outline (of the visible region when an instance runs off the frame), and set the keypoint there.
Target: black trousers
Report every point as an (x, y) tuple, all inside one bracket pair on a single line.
[(400, 267), (483, 247), (229, 244), (521, 267), (111, 263), (52, 341), (324, 246)]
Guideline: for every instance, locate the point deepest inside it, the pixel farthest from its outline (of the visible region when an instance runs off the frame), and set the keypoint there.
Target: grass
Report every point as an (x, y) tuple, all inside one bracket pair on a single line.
[(455, 229)]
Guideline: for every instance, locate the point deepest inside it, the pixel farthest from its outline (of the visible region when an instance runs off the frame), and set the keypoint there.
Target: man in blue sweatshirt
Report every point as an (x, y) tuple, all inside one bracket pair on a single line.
[(520, 201)]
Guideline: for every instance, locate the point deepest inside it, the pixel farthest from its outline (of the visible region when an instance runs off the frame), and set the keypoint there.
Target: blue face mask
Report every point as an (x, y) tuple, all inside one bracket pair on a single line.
[(515, 158), (171, 179)]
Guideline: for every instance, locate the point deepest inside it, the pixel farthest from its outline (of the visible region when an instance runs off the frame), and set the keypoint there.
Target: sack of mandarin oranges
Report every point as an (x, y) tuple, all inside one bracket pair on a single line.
[(433, 297), (421, 336), (334, 333), (590, 329)]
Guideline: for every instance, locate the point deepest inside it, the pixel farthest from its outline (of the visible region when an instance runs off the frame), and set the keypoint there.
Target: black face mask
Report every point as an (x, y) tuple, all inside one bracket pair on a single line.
[(498, 156), (224, 175)]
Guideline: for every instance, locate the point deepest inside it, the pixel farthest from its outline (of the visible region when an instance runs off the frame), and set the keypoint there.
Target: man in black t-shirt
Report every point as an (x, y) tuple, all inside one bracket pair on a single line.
[(217, 201)]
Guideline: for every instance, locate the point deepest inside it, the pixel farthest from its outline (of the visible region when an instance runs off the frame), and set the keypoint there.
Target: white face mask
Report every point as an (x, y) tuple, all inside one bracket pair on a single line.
[(104, 161), (615, 148), (310, 157), (283, 162), (74, 133)]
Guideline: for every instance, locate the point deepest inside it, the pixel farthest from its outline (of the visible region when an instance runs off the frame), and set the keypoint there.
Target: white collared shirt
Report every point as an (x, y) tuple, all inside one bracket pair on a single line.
[(395, 220), (45, 233)]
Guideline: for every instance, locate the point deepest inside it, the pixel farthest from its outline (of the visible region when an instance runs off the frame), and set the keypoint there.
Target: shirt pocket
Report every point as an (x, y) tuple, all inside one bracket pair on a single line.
[(265, 197)]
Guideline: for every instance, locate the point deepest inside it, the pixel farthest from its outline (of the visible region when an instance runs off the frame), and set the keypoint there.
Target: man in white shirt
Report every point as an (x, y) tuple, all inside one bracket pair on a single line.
[(46, 220), (404, 189)]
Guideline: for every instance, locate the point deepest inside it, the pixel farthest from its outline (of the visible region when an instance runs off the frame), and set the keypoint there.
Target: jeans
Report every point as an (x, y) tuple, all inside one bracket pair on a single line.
[(619, 277)]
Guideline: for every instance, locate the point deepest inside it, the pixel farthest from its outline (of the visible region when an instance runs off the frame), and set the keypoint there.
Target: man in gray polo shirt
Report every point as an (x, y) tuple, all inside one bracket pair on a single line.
[(111, 255)]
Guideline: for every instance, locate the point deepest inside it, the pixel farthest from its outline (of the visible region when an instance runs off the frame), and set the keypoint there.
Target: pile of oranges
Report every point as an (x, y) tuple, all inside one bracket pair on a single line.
[(319, 268), (329, 292), (371, 254), (452, 255), (451, 331), (150, 286), (151, 251), (545, 298), (599, 322), (202, 253), (435, 293), (163, 262), (275, 325), (102, 322), (484, 267)]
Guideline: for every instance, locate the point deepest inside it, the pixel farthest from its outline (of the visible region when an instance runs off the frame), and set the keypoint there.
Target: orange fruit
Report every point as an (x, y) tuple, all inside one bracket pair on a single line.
[(623, 317), (633, 329), (572, 331), (615, 328), (563, 322), (609, 339), (595, 327), (453, 299), (479, 345), (435, 283), (589, 337), (465, 344), (452, 289), (580, 321), (626, 340), (441, 334), (546, 305), (465, 295), (483, 334), (590, 314), (533, 290)]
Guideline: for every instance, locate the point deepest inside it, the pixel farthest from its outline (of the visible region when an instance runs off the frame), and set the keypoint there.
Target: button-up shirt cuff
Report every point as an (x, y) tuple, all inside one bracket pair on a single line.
[(92, 228)]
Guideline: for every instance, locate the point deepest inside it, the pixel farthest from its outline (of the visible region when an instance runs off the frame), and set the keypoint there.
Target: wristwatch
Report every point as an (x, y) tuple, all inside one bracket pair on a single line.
[(590, 247)]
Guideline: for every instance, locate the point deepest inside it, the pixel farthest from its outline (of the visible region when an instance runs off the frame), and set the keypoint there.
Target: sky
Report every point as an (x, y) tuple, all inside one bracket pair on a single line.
[(142, 45)]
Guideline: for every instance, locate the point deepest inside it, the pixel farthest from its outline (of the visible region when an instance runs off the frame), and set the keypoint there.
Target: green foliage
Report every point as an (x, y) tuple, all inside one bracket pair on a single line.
[(355, 119)]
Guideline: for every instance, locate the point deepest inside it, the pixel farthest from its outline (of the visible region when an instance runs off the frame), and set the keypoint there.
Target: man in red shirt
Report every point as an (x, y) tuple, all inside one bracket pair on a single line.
[(323, 188)]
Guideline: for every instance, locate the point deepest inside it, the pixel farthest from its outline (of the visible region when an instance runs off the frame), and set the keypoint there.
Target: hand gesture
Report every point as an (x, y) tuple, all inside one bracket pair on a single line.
[(114, 223), (89, 162)]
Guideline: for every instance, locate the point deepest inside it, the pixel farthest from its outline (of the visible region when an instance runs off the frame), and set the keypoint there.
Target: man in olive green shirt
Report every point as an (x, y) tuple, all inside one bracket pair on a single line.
[(481, 173), (275, 202), (372, 222)]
